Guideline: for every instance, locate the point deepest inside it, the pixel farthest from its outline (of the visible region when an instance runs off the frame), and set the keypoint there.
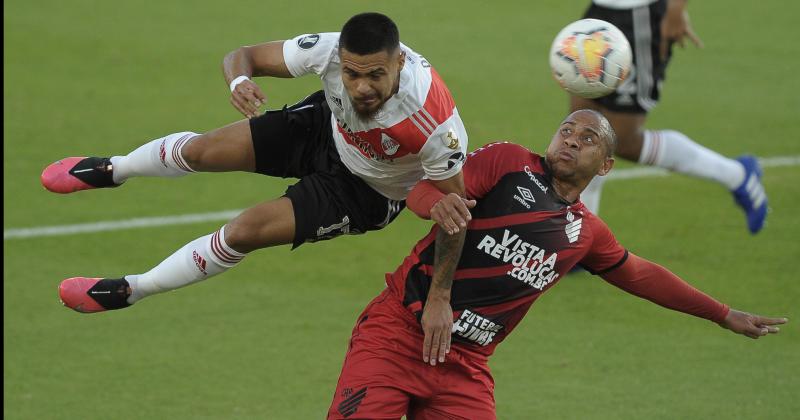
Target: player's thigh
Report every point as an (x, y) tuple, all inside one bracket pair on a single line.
[(229, 148), (370, 386), (295, 141), (469, 393), (334, 203), (368, 402), (266, 224), (290, 142)]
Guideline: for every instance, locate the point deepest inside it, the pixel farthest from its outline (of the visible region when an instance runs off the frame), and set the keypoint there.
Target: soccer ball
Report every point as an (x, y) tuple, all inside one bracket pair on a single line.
[(590, 58)]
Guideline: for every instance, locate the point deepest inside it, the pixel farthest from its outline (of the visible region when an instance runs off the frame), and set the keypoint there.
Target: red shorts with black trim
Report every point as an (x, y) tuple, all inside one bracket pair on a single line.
[(384, 377)]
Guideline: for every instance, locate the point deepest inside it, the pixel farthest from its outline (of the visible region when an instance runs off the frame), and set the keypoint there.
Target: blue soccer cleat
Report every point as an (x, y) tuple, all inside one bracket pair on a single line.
[(751, 196)]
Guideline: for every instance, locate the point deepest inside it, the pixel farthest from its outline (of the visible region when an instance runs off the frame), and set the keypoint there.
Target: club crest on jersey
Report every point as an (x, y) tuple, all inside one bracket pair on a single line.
[(308, 41), (451, 140), (573, 228), (389, 144)]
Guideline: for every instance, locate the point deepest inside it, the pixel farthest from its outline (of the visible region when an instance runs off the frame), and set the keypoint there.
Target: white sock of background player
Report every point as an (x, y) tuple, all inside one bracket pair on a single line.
[(676, 152)]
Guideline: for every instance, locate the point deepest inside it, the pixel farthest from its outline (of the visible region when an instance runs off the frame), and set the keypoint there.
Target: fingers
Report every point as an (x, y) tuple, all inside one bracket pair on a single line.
[(462, 213), (434, 350), (426, 346), (259, 95), (763, 320), (444, 344), (664, 47), (694, 38), (756, 331), (445, 222), (452, 213), (247, 97)]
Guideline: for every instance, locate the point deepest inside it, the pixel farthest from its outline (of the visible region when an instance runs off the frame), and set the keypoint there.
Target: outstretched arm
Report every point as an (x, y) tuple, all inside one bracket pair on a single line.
[(653, 282), (252, 61)]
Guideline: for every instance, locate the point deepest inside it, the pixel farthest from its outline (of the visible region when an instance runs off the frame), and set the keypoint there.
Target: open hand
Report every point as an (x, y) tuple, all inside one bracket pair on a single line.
[(753, 326), (437, 324)]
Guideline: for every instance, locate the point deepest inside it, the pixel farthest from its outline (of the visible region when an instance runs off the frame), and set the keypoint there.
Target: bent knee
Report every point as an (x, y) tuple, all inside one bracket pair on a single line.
[(241, 237), (195, 152), (260, 227)]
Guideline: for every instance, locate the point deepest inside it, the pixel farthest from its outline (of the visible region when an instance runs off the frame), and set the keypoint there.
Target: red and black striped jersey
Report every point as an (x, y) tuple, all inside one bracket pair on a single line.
[(522, 239)]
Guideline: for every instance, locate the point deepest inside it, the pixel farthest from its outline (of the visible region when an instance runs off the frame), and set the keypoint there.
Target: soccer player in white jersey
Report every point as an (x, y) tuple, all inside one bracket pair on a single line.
[(652, 27), (384, 121)]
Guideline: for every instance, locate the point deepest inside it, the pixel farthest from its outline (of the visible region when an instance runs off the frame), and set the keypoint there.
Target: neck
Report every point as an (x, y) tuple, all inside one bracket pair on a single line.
[(396, 86), (568, 190)]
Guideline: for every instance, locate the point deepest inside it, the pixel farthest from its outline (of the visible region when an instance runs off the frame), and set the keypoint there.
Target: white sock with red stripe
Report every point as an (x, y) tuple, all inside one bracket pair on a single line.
[(160, 157), (196, 261), (672, 150)]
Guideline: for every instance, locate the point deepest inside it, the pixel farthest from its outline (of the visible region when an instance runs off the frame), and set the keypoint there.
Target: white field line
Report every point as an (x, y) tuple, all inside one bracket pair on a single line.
[(183, 219)]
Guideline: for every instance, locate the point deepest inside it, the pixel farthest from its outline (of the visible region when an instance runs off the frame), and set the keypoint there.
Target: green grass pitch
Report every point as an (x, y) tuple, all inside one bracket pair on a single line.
[(266, 340)]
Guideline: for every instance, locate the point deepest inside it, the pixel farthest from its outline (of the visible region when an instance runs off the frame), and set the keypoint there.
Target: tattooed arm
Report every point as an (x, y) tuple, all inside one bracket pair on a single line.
[(437, 315)]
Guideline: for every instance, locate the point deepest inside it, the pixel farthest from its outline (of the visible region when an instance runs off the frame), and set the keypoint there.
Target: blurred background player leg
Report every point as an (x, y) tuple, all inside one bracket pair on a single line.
[(651, 27)]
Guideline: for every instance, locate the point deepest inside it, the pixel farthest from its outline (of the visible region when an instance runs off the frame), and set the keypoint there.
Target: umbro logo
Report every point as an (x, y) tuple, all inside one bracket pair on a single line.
[(525, 196), (352, 400)]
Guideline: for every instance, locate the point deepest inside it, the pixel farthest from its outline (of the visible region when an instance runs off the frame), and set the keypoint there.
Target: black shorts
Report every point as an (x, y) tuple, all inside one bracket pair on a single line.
[(639, 93), (328, 201)]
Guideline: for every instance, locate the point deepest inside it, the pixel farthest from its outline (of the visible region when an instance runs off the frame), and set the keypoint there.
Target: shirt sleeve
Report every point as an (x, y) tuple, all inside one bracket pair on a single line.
[(445, 150), (310, 53), (486, 165), (606, 252), (655, 283), (482, 170)]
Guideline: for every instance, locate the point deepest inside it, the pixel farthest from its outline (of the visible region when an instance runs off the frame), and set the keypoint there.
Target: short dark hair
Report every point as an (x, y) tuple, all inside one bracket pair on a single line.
[(369, 33)]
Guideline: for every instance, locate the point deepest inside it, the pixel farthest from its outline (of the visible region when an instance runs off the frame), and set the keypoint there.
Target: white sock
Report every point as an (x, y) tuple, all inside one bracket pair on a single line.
[(196, 261), (591, 195), (672, 150), (160, 157)]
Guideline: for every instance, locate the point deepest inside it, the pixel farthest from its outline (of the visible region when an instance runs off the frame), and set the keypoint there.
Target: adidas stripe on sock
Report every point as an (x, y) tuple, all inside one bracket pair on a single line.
[(160, 157)]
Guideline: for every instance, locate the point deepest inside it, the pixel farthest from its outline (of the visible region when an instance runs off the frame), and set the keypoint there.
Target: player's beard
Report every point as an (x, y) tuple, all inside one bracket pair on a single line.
[(367, 114)]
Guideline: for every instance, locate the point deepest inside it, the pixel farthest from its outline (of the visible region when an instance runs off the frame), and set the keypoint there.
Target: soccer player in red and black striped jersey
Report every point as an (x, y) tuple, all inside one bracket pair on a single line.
[(528, 229)]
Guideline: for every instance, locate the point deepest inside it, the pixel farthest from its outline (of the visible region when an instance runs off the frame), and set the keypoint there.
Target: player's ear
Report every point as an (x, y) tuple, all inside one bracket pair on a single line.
[(402, 59), (606, 167)]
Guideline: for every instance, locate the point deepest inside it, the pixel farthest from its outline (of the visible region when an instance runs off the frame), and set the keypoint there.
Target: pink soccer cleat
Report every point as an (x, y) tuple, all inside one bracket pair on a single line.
[(78, 173), (88, 295)]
